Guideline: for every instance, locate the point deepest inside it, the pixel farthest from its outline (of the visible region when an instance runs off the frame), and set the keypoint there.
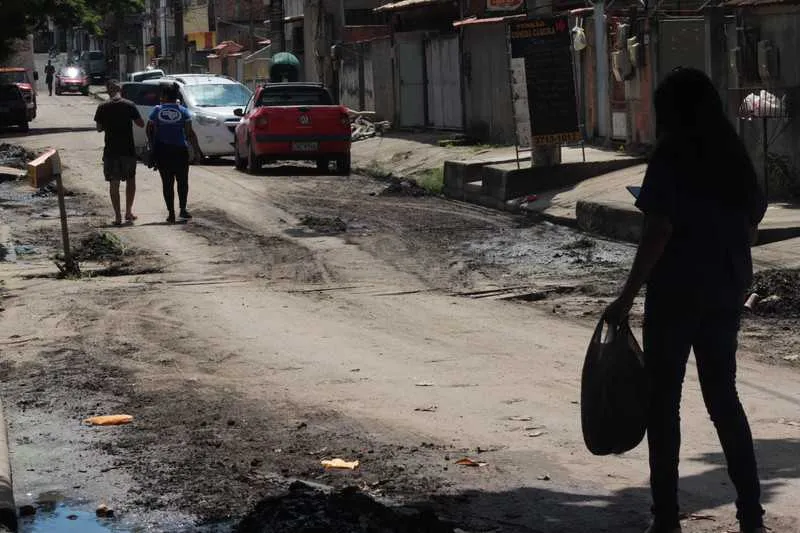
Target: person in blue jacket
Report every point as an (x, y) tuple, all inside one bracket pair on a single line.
[(170, 132), (702, 205)]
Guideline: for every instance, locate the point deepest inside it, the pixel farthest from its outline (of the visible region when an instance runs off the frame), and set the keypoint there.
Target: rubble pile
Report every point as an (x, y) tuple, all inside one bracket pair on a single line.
[(778, 293), (304, 508), (363, 128)]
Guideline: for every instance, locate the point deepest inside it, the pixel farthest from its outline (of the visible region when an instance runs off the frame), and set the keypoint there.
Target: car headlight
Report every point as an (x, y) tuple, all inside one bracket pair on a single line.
[(206, 120)]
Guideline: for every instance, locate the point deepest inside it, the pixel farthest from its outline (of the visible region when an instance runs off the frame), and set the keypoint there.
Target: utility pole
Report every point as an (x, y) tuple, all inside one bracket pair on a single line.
[(252, 26), (180, 52)]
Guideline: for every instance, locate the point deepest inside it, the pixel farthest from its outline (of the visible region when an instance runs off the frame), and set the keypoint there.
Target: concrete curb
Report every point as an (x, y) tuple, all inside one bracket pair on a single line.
[(8, 509)]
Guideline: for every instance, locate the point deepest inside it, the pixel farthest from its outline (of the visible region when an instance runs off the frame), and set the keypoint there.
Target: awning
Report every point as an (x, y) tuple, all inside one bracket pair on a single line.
[(491, 20), (408, 4)]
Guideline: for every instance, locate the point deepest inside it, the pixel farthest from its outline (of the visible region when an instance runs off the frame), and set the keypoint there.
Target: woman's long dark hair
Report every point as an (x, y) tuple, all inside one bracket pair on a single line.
[(697, 140)]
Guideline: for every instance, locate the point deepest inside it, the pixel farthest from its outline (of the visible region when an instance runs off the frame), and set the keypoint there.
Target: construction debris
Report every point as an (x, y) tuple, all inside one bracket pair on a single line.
[(363, 128)]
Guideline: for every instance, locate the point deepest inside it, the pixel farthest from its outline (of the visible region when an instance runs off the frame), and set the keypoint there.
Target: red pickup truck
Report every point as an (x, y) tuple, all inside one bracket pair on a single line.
[(292, 121)]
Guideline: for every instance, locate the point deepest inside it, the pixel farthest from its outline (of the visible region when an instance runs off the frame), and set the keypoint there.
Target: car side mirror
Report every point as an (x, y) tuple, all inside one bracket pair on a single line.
[(238, 112), (35, 75)]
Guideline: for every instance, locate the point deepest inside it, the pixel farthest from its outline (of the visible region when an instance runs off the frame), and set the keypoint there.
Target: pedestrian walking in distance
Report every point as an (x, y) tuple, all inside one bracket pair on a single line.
[(116, 118), (702, 206), (170, 132), (49, 72)]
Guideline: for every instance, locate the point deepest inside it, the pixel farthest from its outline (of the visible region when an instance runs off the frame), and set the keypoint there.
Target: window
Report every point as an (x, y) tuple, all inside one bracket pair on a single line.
[(217, 95), (249, 107), (13, 77), (286, 96), (142, 94)]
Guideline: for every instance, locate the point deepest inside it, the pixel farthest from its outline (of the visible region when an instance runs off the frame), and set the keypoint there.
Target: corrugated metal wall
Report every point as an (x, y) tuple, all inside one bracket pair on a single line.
[(383, 78), (411, 77), (487, 89), (444, 82)]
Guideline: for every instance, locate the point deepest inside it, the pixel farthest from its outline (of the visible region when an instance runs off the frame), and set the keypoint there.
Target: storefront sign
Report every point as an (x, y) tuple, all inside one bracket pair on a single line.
[(506, 6), (541, 55)]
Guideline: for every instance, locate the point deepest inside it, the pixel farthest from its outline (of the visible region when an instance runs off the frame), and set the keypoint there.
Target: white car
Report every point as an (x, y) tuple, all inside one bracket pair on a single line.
[(211, 99)]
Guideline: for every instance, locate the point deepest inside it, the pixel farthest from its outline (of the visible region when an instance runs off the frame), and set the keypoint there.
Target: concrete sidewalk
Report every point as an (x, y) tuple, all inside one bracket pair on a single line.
[(602, 205)]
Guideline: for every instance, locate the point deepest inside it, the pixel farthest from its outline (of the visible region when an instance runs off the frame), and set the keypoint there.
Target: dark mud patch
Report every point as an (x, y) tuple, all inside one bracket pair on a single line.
[(325, 225), (268, 257), (404, 187), (346, 511), (779, 293)]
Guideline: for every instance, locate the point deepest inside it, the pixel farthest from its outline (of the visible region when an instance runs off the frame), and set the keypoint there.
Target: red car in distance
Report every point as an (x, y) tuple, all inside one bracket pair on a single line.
[(293, 121), (71, 79)]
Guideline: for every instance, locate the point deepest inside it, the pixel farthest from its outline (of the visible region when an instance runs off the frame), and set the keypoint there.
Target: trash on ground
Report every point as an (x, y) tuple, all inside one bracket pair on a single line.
[(466, 461), (424, 384), (696, 516), (544, 477), (536, 434), (751, 302), (794, 357), (339, 464), (783, 289), (429, 409), (104, 511), (15, 156), (109, 420), (100, 246), (520, 418)]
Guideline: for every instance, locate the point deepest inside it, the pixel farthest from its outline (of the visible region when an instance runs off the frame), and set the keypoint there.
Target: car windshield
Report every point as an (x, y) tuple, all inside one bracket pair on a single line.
[(286, 96), (13, 77), (71, 72), (217, 95)]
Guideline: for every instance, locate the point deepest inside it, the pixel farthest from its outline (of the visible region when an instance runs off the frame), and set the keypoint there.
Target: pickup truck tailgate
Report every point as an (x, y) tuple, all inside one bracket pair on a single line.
[(318, 123)]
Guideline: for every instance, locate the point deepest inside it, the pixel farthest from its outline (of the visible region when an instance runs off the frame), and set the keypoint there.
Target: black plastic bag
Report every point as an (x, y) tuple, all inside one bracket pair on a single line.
[(615, 392)]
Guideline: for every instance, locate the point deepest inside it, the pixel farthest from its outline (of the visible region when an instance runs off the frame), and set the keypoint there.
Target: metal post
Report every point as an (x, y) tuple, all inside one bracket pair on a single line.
[(70, 265), (765, 149)]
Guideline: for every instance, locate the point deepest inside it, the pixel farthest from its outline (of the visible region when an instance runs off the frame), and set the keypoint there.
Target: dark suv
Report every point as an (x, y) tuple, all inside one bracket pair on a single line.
[(13, 109)]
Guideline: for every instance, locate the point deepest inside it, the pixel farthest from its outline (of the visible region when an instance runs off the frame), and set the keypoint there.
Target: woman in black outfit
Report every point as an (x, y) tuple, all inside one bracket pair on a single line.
[(170, 131), (702, 207)]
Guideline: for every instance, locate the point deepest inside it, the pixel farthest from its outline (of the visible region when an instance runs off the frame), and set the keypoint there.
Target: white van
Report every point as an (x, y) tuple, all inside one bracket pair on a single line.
[(211, 99), (144, 75)]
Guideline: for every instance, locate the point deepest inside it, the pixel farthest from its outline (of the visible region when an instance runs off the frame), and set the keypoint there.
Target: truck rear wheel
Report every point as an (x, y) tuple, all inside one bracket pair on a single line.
[(323, 165), (343, 165), (23, 126)]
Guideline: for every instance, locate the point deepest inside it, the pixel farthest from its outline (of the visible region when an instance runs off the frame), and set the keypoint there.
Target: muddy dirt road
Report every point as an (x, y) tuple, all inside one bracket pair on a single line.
[(265, 336)]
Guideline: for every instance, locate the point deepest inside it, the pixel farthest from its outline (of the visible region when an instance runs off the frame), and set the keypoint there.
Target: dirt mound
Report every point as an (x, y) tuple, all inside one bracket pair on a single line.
[(100, 246), (306, 510), (15, 156), (779, 291)]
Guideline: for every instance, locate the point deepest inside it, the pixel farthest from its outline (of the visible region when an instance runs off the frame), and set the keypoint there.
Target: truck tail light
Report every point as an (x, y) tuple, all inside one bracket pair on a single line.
[(261, 122)]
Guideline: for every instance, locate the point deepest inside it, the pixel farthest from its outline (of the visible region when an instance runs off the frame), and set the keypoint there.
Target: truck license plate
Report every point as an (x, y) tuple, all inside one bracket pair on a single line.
[(305, 147)]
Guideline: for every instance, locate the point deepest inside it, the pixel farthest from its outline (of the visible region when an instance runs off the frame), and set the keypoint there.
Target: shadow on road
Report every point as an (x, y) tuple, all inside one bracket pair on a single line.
[(5, 133), (624, 511)]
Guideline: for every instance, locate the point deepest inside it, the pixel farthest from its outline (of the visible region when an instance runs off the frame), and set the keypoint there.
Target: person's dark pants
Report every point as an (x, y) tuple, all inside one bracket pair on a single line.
[(50, 86), (670, 331), (173, 165)]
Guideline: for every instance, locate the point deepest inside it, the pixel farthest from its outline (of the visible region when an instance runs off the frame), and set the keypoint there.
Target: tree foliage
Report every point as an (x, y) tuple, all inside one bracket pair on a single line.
[(21, 17)]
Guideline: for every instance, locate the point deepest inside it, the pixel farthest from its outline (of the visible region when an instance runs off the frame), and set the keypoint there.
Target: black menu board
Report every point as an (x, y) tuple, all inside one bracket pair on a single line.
[(545, 44)]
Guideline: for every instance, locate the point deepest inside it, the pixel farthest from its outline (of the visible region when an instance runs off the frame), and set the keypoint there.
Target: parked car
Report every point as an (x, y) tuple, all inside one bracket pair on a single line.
[(71, 79), (293, 121), (13, 108), (19, 77), (94, 63), (211, 99), (143, 75)]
